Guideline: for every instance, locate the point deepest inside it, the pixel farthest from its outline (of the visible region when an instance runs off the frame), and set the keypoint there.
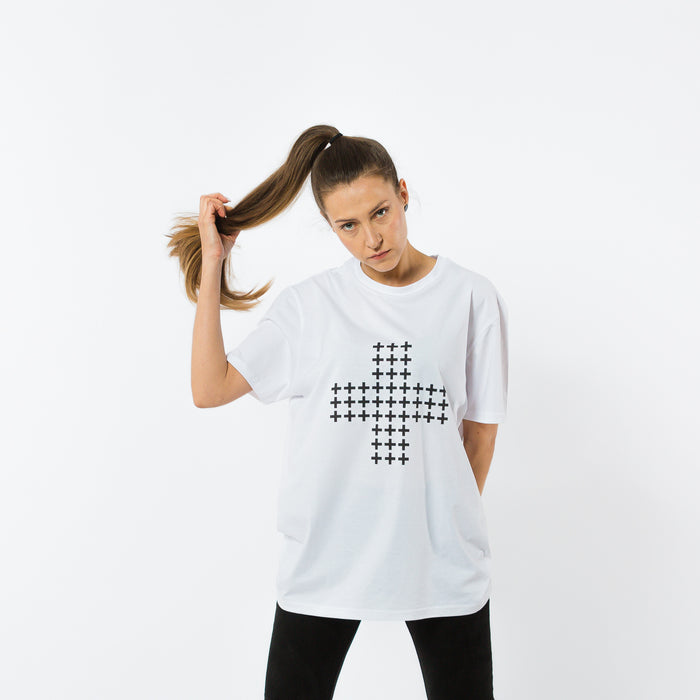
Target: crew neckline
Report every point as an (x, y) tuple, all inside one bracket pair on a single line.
[(420, 284)]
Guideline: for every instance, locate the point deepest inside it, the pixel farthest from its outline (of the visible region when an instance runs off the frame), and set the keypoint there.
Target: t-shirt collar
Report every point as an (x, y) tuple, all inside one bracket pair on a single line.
[(382, 288)]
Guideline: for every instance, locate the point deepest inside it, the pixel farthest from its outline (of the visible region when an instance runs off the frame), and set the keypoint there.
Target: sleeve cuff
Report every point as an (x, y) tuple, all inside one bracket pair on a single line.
[(485, 417)]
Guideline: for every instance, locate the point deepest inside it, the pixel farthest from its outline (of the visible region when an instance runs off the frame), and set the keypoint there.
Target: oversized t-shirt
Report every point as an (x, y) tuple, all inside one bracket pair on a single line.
[(379, 510)]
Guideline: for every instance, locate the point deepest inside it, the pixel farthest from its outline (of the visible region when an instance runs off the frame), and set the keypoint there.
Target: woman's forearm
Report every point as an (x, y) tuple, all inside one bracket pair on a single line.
[(480, 455), (208, 353)]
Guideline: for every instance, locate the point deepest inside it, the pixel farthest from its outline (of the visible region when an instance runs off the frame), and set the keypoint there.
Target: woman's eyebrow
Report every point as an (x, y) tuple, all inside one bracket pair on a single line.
[(374, 208)]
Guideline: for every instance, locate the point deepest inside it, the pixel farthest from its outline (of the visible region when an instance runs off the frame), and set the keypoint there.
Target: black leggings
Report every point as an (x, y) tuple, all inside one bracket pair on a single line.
[(307, 653)]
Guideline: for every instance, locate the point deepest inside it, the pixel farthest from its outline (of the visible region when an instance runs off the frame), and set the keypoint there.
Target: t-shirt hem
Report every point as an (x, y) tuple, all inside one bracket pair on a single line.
[(375, 614)]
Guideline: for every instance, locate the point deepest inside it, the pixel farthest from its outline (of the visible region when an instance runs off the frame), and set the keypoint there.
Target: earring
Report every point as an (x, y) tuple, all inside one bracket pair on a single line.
[(405, 206)]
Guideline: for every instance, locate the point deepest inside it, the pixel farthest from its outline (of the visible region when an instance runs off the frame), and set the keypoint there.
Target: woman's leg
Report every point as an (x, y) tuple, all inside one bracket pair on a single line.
[(306, 655), (455, 655)]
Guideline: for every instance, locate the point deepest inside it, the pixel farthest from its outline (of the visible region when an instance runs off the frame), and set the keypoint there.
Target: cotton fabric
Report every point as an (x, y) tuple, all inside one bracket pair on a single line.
[(378, 507)]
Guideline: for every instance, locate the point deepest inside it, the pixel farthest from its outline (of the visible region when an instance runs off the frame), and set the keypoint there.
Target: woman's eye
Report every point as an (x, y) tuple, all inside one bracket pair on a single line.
[(342, 228)]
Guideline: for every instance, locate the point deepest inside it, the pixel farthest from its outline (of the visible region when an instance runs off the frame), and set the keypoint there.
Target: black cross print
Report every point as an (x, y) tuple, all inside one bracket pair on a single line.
[(386, 411)]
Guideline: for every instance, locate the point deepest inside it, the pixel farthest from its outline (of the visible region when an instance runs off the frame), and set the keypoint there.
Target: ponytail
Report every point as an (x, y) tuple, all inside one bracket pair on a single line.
[(341, 163)]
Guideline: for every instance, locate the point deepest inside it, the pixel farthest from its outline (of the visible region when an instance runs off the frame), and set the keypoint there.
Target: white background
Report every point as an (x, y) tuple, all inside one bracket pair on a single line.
[(550, 146)]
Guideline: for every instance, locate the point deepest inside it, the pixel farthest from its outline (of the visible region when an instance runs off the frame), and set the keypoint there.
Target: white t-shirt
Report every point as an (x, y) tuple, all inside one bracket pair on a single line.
[(378, 507)]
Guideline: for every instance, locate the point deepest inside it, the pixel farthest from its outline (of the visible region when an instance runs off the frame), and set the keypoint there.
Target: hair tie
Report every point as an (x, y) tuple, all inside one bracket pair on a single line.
[(323, 146)]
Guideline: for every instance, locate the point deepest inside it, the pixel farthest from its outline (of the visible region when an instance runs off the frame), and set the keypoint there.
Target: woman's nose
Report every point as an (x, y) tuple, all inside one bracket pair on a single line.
[(373, 240)]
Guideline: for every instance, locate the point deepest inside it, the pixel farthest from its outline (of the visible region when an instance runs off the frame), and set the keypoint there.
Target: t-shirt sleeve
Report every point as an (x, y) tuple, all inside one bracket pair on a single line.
[(268, 356), (487, 364)]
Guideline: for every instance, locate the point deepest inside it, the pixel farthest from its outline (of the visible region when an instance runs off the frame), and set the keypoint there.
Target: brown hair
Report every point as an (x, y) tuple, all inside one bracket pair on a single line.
[(347, 158)]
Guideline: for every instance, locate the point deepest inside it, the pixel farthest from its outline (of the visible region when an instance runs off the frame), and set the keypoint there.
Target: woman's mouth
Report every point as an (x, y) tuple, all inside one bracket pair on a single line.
[(380, 255)]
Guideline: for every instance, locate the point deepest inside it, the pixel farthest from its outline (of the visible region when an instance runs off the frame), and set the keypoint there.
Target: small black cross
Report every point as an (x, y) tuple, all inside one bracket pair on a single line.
[(406, 401)]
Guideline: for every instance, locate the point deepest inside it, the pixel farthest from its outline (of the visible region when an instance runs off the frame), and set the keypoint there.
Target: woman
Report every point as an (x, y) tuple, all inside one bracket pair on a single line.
[(395, 366)]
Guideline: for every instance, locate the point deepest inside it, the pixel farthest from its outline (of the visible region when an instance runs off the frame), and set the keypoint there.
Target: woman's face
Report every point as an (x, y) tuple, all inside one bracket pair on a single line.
[(368, 217)]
